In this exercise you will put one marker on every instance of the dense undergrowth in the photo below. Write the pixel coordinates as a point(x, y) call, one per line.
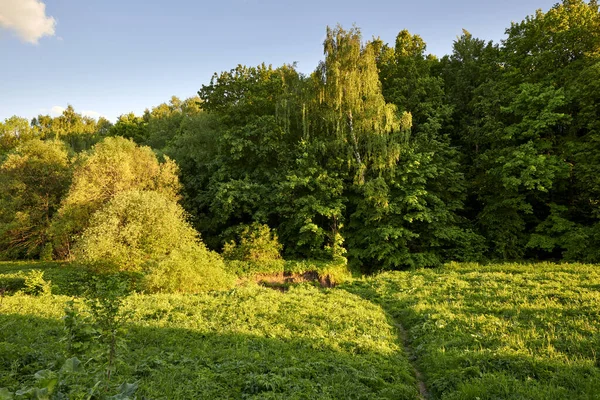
point(249, 342)
point(507, 331)
point(474, 332)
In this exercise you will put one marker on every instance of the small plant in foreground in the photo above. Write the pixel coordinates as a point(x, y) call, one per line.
point(35, 284)
point(66, 384)
point(99, 331)
point(105, 301)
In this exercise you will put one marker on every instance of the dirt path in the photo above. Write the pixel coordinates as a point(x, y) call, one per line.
point(410, 354)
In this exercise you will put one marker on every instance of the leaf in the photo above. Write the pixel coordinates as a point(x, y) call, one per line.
point(5, 394)
point(46, 379)
point(42, 394)
point(25, 392)
point(71, 365)
point(126, 390)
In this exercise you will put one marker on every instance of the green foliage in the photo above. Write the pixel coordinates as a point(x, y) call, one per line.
point(78, 330)
point(112, 166)
point(366, 128)
point(188, 270)
point(75, 130)
point(408, 216)
point(35, 284)
point(47, 253)
point(64, 279)
point(34, 178)
point(256, 250)
point(65, 384)
point(497, 331)
point(236, 154)
point(95, 335)
point(105, 300)
point(522, 116)
point(312, 203)
point(14, 130)
point(147, 232)
point(329, 273)
point(384, 157)
point(133, 228)
point(488, 331)
point(131, 127)
point(248, 342)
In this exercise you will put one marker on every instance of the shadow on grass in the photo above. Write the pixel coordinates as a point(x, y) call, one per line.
point(66, 279)
point(174, 363)
point(454, 369)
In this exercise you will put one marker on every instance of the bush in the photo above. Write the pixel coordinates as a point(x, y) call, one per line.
point(47, 252)
point(113, 166)
point(256, 251)
point(188, 271)
point(147, 232)
point(329, 273)
point(35, 284)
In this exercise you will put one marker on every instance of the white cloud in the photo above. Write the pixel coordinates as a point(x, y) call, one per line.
point(26, 18)
point(92, 114)
point(56, 111)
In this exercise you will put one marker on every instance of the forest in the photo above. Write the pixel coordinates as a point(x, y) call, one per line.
point(384, 155)
point(394, 225)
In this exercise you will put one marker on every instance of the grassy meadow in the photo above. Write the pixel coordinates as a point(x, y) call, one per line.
point(498, 332)
point(464, 331)
point(250, 342)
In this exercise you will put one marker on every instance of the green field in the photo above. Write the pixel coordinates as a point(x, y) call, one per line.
point(461, 332)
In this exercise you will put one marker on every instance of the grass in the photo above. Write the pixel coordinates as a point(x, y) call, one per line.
point(498, 332)
point(65, 279)
point(250, 342)
point(511, 331)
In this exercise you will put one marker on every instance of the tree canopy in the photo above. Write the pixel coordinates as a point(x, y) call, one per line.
point(384, 157)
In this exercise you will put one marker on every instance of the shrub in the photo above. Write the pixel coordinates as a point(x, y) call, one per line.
point(47, 251)
point(188, 271)
point(147, 232)
point(330, 273)
point(256, 251)
point(113, 166)
point(35, 284)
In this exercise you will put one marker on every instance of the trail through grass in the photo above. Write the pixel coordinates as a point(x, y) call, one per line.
point(464, 331)
point(499, 332)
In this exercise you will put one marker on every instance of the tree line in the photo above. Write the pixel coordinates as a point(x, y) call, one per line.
point(385, 156)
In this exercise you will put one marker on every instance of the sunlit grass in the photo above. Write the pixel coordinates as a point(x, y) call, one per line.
point(251, 342)
point(520, 331)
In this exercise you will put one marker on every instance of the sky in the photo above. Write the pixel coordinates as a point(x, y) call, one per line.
point(109, 57)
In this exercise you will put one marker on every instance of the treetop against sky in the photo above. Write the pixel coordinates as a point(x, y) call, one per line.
point(110, 57)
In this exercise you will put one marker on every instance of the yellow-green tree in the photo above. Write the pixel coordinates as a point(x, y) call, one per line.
point(112, 166)
point(147, 232)
point(33, 181)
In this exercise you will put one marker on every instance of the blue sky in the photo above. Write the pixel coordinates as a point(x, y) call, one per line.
point(108, 57)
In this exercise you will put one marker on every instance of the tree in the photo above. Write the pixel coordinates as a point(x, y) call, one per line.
point(407, 216)
point(33, 180)
point(13, 131)
point(353, 110)
point(112, 166)
point(164, 121)
point(146, 231)
point(130, 126)
point(246, 141)
point(522, 127)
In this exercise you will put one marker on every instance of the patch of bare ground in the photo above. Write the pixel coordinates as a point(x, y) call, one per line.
point(423, 393)
point(282, 282)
